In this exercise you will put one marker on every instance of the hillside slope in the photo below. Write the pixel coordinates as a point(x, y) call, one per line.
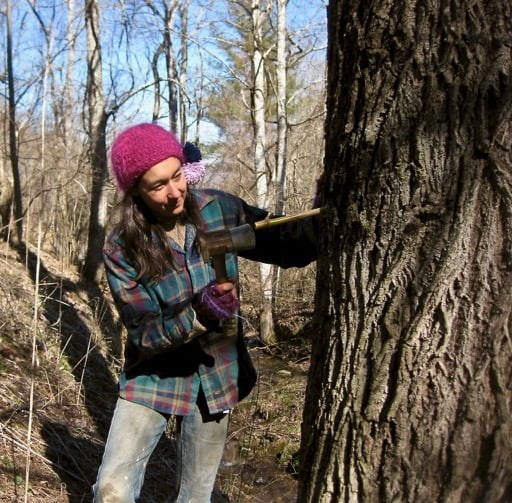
point(58, 410)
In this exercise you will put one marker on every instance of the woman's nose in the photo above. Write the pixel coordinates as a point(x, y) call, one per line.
point(173, 191)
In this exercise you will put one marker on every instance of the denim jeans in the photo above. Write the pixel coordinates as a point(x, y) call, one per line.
point(133, 435)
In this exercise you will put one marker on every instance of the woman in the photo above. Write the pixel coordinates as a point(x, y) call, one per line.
point(182, 355)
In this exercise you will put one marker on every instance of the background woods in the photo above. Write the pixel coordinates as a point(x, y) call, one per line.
point(416, 397)
point(77, 72)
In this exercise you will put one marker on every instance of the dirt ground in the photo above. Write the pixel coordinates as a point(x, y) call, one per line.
point(67, 444)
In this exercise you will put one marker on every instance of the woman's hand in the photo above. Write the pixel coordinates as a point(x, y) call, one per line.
point(215, 302)
point(225, 287)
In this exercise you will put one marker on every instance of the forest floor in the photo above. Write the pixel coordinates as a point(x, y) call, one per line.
point(59, 357)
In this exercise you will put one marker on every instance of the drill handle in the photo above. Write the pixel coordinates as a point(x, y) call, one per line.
point(219, 266)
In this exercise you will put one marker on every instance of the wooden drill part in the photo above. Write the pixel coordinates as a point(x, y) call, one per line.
point(215, 244)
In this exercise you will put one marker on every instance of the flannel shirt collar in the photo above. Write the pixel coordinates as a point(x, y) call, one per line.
point(201, 198)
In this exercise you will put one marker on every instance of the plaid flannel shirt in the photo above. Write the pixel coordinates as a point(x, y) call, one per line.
point(169, 356)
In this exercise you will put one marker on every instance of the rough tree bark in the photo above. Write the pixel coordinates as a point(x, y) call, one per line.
point(409, 395)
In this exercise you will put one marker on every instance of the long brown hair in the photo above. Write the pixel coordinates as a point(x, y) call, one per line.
point(144, 239)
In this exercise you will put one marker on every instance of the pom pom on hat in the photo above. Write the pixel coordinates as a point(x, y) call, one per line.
point(191, 152)
point(193, 168)
point(138, 148)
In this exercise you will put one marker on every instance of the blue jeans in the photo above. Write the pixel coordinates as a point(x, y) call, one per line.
point(133, 435)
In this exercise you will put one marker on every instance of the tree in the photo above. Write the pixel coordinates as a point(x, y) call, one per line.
point(96, 125)
point(67, 122)
point(13, 142)
point(6, 195)
point(260, 12)
point(183, 67)
point(167, 16)
point(282, 118)
point(409, 393)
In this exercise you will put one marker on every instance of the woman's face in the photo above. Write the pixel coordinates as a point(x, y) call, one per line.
point(163, 189)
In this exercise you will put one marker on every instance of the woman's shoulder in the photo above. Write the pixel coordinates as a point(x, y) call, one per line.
point(219, 208)
point(234, 209)
point(208, 194)
point(205, 196)
point(113, 242)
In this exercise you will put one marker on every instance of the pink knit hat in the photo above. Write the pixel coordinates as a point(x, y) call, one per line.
point(140, 147)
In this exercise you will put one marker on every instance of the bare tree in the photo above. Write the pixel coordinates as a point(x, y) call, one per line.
point(13, 142)
point(68, 85)
point(183, 63)
point(279, 175)
point(260, 11)
point(96, 126)
point(167, 15)
point(6, 196)
point(48, 72)
point(409, 394)
point(282, 108)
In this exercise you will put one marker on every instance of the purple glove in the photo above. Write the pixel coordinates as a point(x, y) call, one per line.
point(212, 304)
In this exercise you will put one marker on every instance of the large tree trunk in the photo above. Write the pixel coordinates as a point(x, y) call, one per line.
point(409, 395)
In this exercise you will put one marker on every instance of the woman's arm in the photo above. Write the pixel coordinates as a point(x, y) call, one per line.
point(151, 328)
point(293, 244)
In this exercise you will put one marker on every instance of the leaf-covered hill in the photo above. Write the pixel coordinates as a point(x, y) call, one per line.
point(57, 386)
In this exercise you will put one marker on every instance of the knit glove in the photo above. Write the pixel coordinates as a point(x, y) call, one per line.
point(212, 305)
point(193, 166)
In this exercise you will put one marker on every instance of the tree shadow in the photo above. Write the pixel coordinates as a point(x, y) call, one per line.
point(76, 460)
point(74, 456)
point(88, 365)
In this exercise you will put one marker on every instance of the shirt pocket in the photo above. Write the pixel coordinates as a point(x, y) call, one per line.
point(173, 289)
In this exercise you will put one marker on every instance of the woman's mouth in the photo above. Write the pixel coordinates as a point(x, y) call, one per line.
point(172, 207)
